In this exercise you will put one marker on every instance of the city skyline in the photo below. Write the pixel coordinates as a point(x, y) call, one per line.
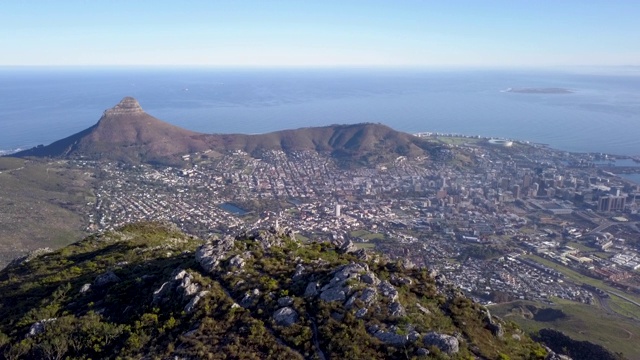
point(327, 34)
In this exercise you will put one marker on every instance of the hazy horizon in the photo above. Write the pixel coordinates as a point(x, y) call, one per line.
point(251, 33)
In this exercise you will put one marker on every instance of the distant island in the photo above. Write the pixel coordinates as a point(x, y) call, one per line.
point(539, 91)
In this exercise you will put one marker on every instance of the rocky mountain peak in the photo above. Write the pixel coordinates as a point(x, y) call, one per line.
point(127, 105)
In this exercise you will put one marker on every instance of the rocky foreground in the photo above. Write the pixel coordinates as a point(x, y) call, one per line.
point(149, 291)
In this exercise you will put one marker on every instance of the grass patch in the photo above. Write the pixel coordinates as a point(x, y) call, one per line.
point(457, 140)
point(363, 245)
point(367, 235)
point(581, 247)
point(582, 322)
point(624, 307)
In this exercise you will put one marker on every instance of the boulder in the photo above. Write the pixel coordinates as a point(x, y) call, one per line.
point(368, 295)
point(446, 343)
point(496, 329)
point(311, 290)
point(391, 338)
point(298, 273)
point(395, 339)
point(361, 313)
point(333, 294)
point(249, 298)
point(107, 278)
point(38, 327)
point(422, 352)
point(370, 278)
point(285, 301)
point(347, 247)
point(85, 288)
point(399, 280)
point(388, 290)
point(423, 309)
point(396, 309)
point(237, 262)
point(188, 287)
point(285, 316)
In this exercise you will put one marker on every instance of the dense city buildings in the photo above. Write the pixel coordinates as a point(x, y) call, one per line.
point(491, 219)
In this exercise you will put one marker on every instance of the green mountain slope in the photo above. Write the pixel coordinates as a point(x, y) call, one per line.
point(149, 291)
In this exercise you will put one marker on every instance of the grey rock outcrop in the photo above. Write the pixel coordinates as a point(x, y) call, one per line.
point(368, 295)
point(299, 271)
point(38, 327)
point(311, 290)
point(346, 246)
point(209, 255)
point(85, 288)
point(552, 355)
point(337, 288)
point(422, 352)
point(423, 309)
point(399, 280)
point(249, 298)
point(370, 278)
point(334, 294)
point(361, 313)
point(285, 301)
point(445, 343)
point(396, 309)
point(107, 278)
point(285, 316)
point(237, 262)
point(388, 290)
point(391, 336)
point(191, 306)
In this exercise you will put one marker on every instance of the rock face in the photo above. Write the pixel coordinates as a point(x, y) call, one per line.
point(210, 254)
point(391, 336)
point(126, 106)
point(337, 288)
point(446, 343)
point(191, 306)
point(285, 301)
point(107, 278)
point(85, 288)
point(38, 327)
point(285, 316)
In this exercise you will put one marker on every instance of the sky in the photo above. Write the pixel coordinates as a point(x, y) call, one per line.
point(327, 33)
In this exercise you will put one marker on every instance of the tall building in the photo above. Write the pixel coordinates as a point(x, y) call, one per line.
point(611, 203)
point(338, 210)
point(516, 191)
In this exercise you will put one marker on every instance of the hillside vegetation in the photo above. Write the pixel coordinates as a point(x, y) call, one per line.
point(148, 290)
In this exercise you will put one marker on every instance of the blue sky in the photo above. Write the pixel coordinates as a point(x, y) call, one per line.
point(479, 33)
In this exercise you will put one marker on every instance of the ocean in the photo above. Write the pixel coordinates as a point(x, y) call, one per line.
point(602, 114)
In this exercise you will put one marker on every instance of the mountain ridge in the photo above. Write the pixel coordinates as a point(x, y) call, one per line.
point(149, 290)
point(127, 133)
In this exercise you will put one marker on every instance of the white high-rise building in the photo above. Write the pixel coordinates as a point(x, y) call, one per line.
point(338, 210)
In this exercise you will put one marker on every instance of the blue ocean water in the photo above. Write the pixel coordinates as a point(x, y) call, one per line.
point(41, 105)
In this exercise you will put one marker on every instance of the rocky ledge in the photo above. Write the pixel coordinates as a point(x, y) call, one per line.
point(127, 105)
